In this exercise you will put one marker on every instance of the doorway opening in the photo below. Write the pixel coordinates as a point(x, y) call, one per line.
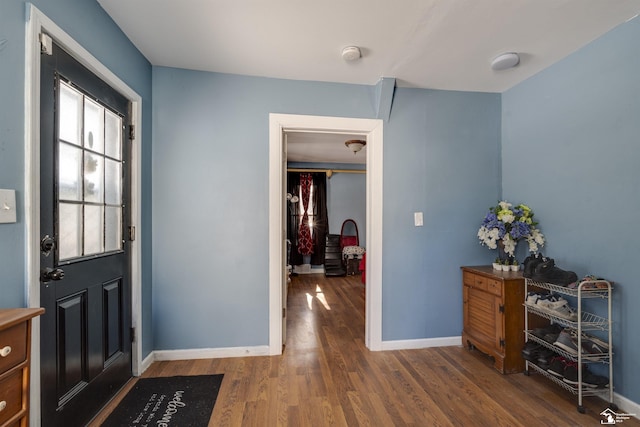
point(372, 131)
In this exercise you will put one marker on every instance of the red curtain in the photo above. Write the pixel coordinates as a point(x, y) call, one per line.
point(305, 243)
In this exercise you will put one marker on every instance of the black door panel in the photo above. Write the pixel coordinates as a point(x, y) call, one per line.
point(85, 332)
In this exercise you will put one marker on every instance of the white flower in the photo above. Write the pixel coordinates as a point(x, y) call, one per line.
point(504, 205)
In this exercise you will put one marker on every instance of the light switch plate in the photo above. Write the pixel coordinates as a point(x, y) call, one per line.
point(7, 206)
point(417, 219)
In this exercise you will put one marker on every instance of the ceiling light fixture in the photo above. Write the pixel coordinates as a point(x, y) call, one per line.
point(351, 53)
point(355, 145)
point(505, 61)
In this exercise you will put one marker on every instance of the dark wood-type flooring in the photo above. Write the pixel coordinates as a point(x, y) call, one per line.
point(326, 376)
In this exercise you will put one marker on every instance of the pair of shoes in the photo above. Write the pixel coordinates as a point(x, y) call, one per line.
point(594, 345)
point(568, 341)
point(570, 373)
point(562, 309)
point(557, 366)
point(532, 298)
point(594, 381)
point(545, 356)
point(557, 306)
point(546, 271)
point(589, 379)
point(548, 334)
point(530, 351)
point(530, 264)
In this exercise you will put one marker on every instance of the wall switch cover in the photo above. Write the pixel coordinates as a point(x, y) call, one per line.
point(417, 219)
point(7, 206)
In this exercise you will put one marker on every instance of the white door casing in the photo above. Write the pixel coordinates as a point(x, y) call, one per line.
point(372, 131)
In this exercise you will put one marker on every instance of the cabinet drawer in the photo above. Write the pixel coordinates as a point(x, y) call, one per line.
point(475, 280)
point(494, 286)
point(13, 344)
point(10, 395)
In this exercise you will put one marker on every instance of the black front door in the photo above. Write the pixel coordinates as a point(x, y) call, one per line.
point(85, 264)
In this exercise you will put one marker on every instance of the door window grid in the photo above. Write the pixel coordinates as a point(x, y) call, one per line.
point(89, 176)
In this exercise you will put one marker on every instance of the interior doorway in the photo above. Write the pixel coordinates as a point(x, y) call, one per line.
point(372, 131)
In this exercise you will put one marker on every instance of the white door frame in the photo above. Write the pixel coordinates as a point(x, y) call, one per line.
point(372, 130)
point(37, 22)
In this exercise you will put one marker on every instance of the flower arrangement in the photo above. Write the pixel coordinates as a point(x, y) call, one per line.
point(507, 224)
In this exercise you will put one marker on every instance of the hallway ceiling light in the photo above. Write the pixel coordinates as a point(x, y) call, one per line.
point(355, 145)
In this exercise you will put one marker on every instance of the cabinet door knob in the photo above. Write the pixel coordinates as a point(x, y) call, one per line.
point(3, 404)
point(5, 351)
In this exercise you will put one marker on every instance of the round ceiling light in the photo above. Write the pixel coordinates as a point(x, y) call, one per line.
point(505, 61)
point(351, 53)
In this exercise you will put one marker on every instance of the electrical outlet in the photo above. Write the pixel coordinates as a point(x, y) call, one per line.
point(7, 206)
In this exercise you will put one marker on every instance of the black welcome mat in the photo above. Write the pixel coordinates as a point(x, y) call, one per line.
point(167, 401)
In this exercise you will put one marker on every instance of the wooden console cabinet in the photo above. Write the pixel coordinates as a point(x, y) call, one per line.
point(493, 315)
point(15, 347)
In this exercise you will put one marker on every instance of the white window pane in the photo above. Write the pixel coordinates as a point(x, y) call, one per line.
point(93, 178)
point(112, 182)
point(70, 117)
point(69, 172)
point(70, 231)
point(112, 135)
point(93, 229)
point(93, 126)
point(113, 229)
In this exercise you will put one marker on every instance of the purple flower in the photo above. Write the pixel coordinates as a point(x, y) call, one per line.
point(519, 230)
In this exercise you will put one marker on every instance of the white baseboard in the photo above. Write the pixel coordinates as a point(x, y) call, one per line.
point(147, 362)
point(421, 343)
point(626, 406)
point(210, 353)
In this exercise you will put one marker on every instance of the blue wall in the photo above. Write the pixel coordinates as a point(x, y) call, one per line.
point(89, 25)
point(347, 199)
point(571, 151)
point(210, 163)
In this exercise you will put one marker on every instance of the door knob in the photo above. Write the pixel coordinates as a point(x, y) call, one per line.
point(49, 274)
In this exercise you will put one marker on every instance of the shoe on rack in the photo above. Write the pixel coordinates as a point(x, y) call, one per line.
point(568, 341)
point(531, 351)
point(530, 264)
point(557, 366)
point(562, 309)
point(551, 337)
point(546, 300)
point(544, 358)
point(570, 374)
point(547, 271)
point(551, 329)
point(593, 345)
point(594, 381)
point(532, 298)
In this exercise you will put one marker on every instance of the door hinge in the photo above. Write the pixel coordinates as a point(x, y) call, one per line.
point(46, 44)
point(501, 342)
point(501, 308)
point(132, 132)
point(132, 233)
point(284, 313)
point(133, 334)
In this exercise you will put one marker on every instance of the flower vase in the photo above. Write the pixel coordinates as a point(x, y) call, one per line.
point(501, 253)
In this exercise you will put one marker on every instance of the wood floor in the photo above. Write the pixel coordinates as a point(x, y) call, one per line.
point(326, 376)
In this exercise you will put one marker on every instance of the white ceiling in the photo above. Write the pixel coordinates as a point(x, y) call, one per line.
point(435, 44)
